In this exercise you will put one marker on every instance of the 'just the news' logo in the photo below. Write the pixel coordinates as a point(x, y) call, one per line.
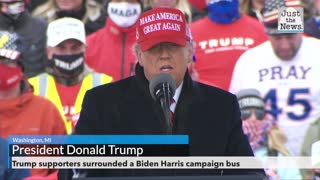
point(290, 20)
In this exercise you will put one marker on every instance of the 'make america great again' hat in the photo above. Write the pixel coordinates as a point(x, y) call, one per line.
point(162, 25)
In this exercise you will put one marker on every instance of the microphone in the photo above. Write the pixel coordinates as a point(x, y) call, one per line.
point(162, 88)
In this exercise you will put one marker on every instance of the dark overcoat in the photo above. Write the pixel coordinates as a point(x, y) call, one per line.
point(210, 116)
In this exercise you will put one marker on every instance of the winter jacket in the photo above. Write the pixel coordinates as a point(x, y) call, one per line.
point(109, 51)
point(33, 31)
point(210, 116)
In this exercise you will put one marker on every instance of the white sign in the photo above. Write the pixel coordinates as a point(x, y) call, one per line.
point(290, 20)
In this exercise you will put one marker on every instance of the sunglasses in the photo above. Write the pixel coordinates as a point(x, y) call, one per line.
point(246, 113)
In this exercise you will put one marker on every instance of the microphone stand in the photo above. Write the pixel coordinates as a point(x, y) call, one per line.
point(165, 105)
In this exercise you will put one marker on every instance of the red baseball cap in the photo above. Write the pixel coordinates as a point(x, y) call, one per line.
point(162, 25)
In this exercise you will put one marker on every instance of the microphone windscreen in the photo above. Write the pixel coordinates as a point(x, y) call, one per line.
point(160, 79)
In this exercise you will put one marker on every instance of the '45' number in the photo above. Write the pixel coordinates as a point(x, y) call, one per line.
point(292, 100)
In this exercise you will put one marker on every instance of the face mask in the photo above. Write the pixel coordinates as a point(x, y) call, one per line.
point(9, 77)
point(223, 11)
point(13, 9)
point(124, 14)
point(69, 64)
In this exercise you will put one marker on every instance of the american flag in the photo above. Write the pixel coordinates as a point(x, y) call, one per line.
point(256, 130)
point(271, 8)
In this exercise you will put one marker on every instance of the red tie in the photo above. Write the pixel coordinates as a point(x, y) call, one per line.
point(171, 112)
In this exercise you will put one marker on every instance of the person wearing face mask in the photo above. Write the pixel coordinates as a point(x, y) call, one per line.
point(90, 12)
point(110, 49)
point(68, 77)
point(22, 112)
point(220, 38)
point(264, 135)
point(15, 17)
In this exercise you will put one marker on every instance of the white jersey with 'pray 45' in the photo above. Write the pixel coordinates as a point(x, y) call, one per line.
point(291, 89)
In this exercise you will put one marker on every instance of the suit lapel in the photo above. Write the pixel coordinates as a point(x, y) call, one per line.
point(144, 115)
point(190, 97)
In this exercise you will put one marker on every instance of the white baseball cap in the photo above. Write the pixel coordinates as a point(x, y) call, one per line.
point(65, 28)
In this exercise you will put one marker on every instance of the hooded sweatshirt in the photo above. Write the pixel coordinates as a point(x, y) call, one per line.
point(28, 114)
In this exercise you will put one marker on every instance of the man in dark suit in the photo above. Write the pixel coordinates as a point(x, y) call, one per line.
point(210, 116)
